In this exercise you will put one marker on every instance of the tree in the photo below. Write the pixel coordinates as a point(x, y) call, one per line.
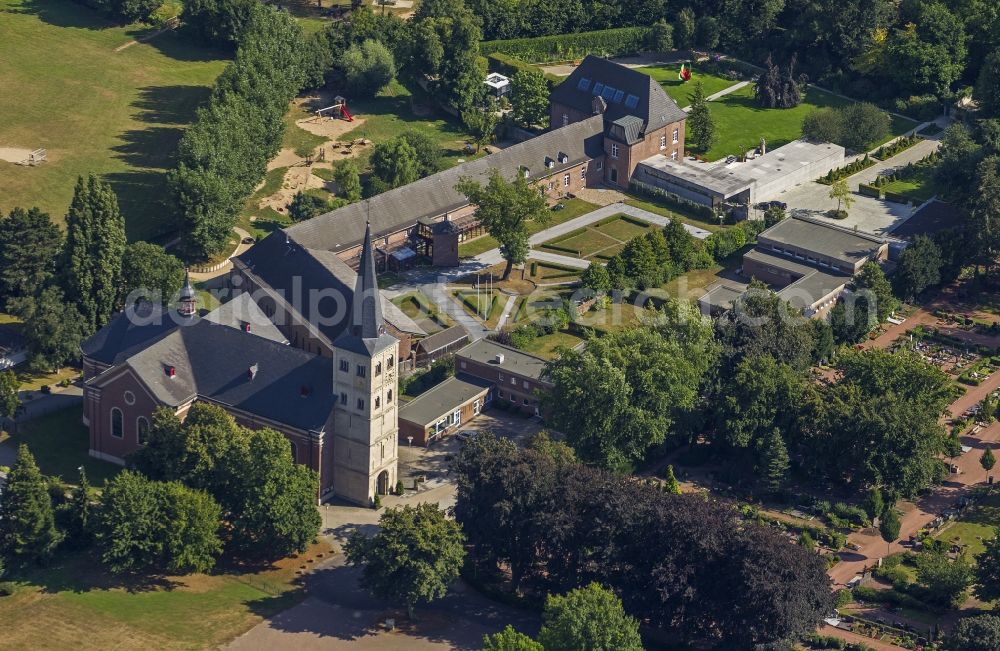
point(413, 558)
point(504, 209)
point(987, 92)
point(872, 279)
point(684, 28)
point(554, 449)
point(987, 461)
point(481, 123)
point(774, 462)
point(368, 68)
point(590, 618)
point(27, 521)
point(529, 96)
point(9, 387)
point(53, 329)
point(777, 88)
point(918, 268)
point(864, 125)
point(29, 247)
point(395, 163)
point(700, 123)
point(510, 640)
point(95, 244)
point(148, 267)
point(429, 158)
point(217, 22)
point(707, 32)
point(622, 393)
point(348, 180)
point(596, 278)
point(874, 504)
point(889, 525)
point(145, 525)
point(927, 54)
point(761, 323)
point(980, 633)
point(670, 483)
point(824, 125)
point(661, 37)
point(984, 220)
point(268, 499)
point(757, 399)
point(79, 527)
point(306, 206)
point(842, 193)
point(947, 581)
point(987, 574)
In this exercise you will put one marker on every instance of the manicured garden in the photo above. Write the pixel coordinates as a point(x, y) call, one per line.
point(601, 240)
point(117, 114)
point(572, 208)
point(420, 308)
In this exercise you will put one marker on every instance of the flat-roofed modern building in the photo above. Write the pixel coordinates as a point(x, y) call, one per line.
point(807, 262)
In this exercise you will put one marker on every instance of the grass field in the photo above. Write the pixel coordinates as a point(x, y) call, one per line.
point(919, 188)
point(117, 114)
point(573, 209)
point(74, 604)
point(741, 123)
point(978, 523)
point(679, 90)
point(59, 442)
point(602, 240)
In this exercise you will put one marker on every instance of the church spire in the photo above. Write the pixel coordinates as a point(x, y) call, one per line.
point(366, 312)
point(187, 303)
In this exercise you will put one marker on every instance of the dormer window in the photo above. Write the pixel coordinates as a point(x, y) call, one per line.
point(563, 158)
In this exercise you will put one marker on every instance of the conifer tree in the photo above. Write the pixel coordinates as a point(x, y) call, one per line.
point(700, 123)
point(27, 521)
point(95, 244)
point(774, 461)
point(79, 525)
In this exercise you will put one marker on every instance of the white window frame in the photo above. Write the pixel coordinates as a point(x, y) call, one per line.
point(676, 136)
point(663, 142)
point(614, 150)
point(673, 155)
point(566, 179)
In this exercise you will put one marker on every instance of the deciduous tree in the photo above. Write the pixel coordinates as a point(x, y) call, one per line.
point(53, 329)
point(510, 640)
point(987, 573)
point(148, 267)
point(368, 68)
point(918, 268)
point(530, 97)
point(947, 581)
point(504, 209)
point(348, 181)
point(413, 558)
point(980, 633)
point(9, 387)
point(590, 618)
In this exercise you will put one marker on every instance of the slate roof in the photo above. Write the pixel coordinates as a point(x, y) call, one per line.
point(243, 311)
point(296, 271)
point(443, 339)
point(435, 195)
point(652, 105)
point(628, 129)
point(132, 328)
point(366, 330)
point(212, 362)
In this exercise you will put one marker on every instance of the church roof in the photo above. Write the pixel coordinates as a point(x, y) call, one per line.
point(366, 328)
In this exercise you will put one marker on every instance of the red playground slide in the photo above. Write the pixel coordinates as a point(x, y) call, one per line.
point(344, 113)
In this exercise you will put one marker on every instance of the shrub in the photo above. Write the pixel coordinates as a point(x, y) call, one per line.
point(7, 588)
point(672, 200)
point(864, 125)
point(919, 107)
point(844, 597)
point(399, 487)
point(817, 641)
point(607, 42)
point(368, 67)
point(869, 190)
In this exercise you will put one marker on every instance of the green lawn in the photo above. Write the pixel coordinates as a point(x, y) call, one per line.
point(573, 208)
point(586, 243)
point(548, 272)
point(977, 523)
point(60, 442)
point(741, 123)
point(116, 114)
point(73, 603)
point(391, 113)
point(623, 228)
point(547, 345)
point(920, 187)
point(679, 90)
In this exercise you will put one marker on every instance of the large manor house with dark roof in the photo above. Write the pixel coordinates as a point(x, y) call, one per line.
point(308, 345)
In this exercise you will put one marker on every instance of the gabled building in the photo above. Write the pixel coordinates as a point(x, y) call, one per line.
point(337, 410)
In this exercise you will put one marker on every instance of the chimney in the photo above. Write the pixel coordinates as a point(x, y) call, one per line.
point(171, 371)
point(252, 372)
point(599, 105)
point(499, 358)
point(246, 326)
point(525, 171)
point(304, 391)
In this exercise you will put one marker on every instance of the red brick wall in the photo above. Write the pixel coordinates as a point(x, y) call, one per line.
point(629, 157)
point(111, 396)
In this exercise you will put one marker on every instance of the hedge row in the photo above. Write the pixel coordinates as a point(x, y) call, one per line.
point(869, 191)
point(562, 249)
point(890, 150)
point(896, 197)
point(561, 47)
point(848, 170)
point(510, 66)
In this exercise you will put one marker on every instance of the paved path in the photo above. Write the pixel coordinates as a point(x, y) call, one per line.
point(506, 311)
point(224, 269)
point(607, 211)
point(555, 258)
point(722, 93)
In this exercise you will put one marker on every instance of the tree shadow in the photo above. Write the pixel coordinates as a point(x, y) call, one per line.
point(170, 104)
point(144, 201)
point(149, 147)
point(80, 572)
point(63, 13)
point(181, 45)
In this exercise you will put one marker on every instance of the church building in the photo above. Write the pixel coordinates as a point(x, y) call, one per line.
point(337, 410)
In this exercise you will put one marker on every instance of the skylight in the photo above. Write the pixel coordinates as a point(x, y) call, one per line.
point(631, 101)
point(617, 99)
point(608, 92)
point(584, 84)
point(598, 87)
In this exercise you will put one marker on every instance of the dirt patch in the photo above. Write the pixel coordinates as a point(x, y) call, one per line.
point(296, 179)
point(600, 196)
point(14, 154)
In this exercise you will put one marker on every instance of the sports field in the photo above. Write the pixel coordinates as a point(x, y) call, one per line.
point(65, 88)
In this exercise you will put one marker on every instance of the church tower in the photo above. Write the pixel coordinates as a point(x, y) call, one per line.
point(187, 303)
point(365, 383)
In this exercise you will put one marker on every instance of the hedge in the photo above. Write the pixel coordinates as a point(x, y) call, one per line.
point(869, 191)
point(896, 197)
point(510, 66)
point(561, 47)
point(562, 249)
